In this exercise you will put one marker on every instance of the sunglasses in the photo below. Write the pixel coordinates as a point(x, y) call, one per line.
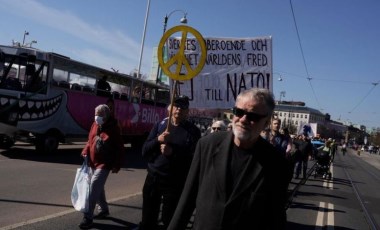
point(216, 128)
point(251, 116)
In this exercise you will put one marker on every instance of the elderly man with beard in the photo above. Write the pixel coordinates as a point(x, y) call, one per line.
point(235, 179)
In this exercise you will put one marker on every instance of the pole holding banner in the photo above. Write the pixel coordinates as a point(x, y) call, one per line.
point(178, 67)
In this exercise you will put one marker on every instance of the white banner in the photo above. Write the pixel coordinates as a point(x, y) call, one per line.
point(308, 129)
point(232, 65)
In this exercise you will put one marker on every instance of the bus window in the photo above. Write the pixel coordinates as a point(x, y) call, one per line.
point(146, 95)
point(103, 87)
point(124, 89)
point(11, 80)
point(26, 76)
point(60, 76)
point(136, 94)
point(162, 96)
point(86, 82)
point(36, 78)
point(74, 79)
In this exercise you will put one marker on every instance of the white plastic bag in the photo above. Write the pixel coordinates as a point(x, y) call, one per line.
point(81, 188)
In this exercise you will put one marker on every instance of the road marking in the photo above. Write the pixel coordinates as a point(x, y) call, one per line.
point(330, 217)
point(328, 183)
point(33, 221)
point(321, 217)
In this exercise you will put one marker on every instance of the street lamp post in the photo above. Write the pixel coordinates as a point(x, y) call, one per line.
point(143, 38)
point(282, 94)
point(167, 16)
point(30, 44)
point(23, 40)
point(183, 19)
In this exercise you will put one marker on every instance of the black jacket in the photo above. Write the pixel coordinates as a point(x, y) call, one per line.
point(258, 200)
point(183, 139)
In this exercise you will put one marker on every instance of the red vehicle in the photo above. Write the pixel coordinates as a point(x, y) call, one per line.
point(48, 98)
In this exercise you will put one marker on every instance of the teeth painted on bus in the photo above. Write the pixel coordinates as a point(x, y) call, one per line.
point(47, 99)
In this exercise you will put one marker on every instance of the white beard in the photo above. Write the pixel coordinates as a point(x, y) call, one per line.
point(240, 134)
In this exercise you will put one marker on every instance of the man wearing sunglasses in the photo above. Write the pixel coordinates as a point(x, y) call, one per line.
point(235, 180)
point(217, 126)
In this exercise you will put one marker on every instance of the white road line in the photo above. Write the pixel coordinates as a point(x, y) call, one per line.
point(320, 216)
point(32, 221)
point(330, 221)
point(329, 183)
point(330, 217)
point(321, 222)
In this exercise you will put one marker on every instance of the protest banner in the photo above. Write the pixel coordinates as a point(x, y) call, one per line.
point(232, 65)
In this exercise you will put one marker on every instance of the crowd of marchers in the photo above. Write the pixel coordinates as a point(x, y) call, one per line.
point(227, 178)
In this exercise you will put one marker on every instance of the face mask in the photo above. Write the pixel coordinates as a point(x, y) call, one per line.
point(99, 120)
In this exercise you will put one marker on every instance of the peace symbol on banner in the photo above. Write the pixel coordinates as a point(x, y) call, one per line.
point(179, 59)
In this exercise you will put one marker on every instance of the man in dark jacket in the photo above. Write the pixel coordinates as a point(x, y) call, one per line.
point(169, 152)
point(304, 151)
point(234, 180)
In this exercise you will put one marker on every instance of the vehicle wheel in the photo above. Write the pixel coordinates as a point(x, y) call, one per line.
point(47, 144)
point(6, 142)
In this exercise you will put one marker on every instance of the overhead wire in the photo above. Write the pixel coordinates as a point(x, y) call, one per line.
point(308, 75)
point(303, 56)
point(282, 74)
point(365, 96)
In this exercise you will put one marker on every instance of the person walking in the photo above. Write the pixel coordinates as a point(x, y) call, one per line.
point(334, 148)
point(235, 179)
point(105, 149)
point(169, 154)
point(277, 139)
point(344, 148)
point(282, 143)
point(305, 150)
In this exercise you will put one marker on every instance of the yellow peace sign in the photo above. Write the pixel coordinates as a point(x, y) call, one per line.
point(179, 58)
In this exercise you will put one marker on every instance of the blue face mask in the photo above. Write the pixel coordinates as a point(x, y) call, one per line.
point(99, 120)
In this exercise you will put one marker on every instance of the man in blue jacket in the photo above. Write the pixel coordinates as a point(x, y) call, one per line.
point(169, 153)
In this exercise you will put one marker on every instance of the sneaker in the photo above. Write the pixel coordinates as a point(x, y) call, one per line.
point(86, 223)
point(102, 215)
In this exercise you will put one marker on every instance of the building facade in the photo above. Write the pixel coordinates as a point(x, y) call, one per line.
point(297, 114)
point(294, 115)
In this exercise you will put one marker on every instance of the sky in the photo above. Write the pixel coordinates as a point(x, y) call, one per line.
point(326, 52)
